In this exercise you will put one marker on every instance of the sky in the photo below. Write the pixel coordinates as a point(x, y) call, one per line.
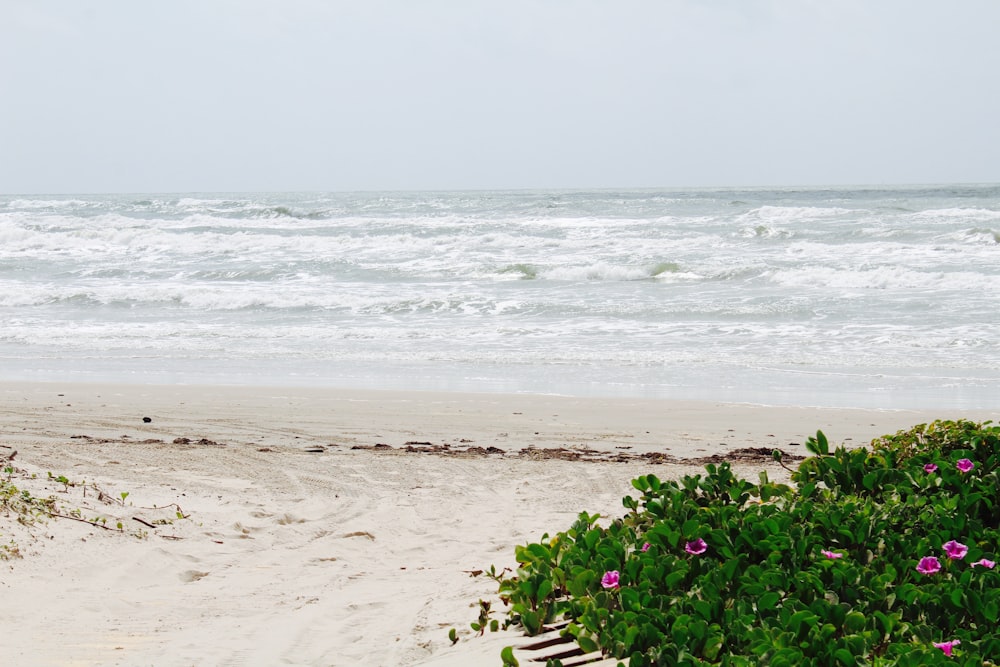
point(322, 95)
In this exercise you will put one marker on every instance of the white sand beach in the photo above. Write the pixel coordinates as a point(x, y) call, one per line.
point(313, 536)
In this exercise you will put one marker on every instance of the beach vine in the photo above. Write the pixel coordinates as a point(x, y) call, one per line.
point(881, 555)
point(21, 501)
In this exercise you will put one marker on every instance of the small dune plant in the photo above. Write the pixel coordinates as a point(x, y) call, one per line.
point(884, 555)
point(22, 505)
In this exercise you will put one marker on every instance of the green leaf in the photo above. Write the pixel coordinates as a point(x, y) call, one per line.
point(956, 597)
point(532, 622)
point(818, 446)
point(991, 610)
point(844, 657)
point(868, 481)
point(854, 622)
point(674, 578)
point(768, 601)
point(586, 644)
point(885, 622)
point(729, 568)
point(630, 599)
point(538, 551)
point(713, 645)
point(578, 585)
point(802, 618)
point(544, 589)
point(703, 608)
point(507, 656)
point(630, 636)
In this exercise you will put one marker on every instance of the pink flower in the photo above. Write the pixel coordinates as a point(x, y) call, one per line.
point(928, 565)
point(965, 465)
point(947, 646)
point(930, 467)
point(645, 546)
point(955, 550)
point(988, 564)
point(696, 547)
point(610, 579)
point(831, 554)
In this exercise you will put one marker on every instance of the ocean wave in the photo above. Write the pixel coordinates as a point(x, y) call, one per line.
point(519, 270)
point(885, 278)
point(603, 271)
point(82, 299)
point(980, 236)
point(267, 212)
point(795, 213)
point(194, 202)
point(188, 239)
point(462, 305)
point(285, 300)
point(40, 204)
point(135, 297)
point(950, 214)
point(765, 231)
point(15, 237)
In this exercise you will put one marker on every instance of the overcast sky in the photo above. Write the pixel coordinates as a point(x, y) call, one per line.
point(250, 95)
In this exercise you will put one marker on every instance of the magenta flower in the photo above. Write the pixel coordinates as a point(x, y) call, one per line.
point(947, 646)
point(645, 546)
point(696, 547)
point(988, 564)
point(610, 579)
point(955, 550)
point(930, 467)
point(928, 565)
point(965, 465)
point(831, 554)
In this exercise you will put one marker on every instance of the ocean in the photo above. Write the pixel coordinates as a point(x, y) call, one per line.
point(880, 297)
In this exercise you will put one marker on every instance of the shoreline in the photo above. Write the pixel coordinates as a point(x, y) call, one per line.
point(307, 544)
point(857, 388)
point(689, 428)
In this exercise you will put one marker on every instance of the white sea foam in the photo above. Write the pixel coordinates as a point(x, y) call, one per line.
point(959, 213)
point(978, 235)
point(600, 271)
point(796, 213)
point(631, 286)
point(886, 278)
point(32, 204)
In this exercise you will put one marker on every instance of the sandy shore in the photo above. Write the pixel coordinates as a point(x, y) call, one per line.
point(315, 534)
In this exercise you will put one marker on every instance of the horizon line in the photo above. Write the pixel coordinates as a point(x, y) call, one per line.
point(665, 188)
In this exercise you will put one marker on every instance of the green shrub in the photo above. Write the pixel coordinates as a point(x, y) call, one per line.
point(938, 438)
point(716, 570)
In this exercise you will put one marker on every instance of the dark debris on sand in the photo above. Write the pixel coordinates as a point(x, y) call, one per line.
point(743, 455)
point(466, 450)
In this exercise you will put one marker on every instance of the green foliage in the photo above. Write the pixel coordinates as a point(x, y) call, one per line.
point(20, 501)
point(823, 572)
point(22, 504)
point(24, 507)
point(938, 438)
